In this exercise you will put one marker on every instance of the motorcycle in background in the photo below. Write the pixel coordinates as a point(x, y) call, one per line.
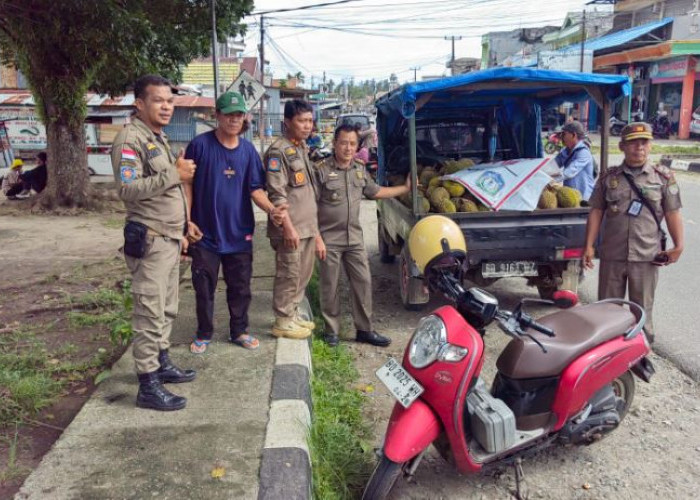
point(661, 125)
point(553, 143)
point(566, 378)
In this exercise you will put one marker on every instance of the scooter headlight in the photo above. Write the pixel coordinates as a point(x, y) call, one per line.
point(429, 336)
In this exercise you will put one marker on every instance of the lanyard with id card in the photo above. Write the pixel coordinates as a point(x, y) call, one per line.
point(635, 208)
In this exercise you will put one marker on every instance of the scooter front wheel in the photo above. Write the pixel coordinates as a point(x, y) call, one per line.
point(550, 148)
point(383, 479)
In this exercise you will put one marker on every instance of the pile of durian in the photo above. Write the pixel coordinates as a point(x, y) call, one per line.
point(445, 197)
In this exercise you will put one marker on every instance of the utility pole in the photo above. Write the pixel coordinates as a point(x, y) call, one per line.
point(452, 61)
point(583, 37)
point(261, 119)
point(214, 49)
point(415, 74)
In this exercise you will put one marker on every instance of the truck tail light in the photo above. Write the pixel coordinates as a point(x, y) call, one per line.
point(569, 253)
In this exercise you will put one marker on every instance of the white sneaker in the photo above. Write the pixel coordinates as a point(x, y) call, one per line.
point(24, 194)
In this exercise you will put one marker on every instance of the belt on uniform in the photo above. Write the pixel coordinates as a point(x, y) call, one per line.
point(156, 234)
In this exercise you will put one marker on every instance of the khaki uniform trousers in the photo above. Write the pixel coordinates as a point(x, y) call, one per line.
point(356, 264)
point(293, 269)
point(154, 286)
point(639, 279)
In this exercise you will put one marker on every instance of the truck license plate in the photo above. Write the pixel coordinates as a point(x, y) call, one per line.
point(401, 385)
point(508, 268)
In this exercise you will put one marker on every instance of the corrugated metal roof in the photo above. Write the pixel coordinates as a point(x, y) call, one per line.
point(24, 98)
point(619, 37)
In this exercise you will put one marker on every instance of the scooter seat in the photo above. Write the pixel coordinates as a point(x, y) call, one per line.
point(576, 330)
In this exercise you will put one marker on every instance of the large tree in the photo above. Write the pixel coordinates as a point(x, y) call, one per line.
point(67, 47)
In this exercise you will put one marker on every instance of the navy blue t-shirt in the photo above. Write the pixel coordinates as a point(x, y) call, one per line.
point(221, 203)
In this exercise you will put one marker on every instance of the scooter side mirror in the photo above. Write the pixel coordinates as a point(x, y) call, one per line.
point(565, 299)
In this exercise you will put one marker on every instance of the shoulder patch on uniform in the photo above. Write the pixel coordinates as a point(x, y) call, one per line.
point(273, 164)
point(127, 174)
point(128, 154)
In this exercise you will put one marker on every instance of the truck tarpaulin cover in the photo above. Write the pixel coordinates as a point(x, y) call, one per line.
point(519, 94)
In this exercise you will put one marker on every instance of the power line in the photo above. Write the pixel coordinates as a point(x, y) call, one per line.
point(305, 7)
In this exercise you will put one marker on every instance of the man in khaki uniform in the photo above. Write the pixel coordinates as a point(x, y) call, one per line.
point(630, 248)
point(150, 184)
point(290, 181)
point(342, 182)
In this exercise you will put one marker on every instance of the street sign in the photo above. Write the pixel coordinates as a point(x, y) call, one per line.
point(251, 89)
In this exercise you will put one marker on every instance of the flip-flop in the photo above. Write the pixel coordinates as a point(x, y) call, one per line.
point(199, 346)
point(246, 341)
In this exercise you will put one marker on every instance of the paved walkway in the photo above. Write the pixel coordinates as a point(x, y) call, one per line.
point(113, 450)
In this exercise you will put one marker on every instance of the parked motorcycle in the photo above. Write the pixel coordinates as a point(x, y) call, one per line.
point(661, 125)
point(616, 125)
point(563, 379)
point(553, 143)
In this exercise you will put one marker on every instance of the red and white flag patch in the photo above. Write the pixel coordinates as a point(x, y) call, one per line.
point(128, 154)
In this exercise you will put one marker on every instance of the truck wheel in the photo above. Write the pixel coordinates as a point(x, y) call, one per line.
point(384, 255)
point(383, 480)
point(405, 286)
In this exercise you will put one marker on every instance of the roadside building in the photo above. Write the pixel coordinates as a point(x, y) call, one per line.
point(497, 46)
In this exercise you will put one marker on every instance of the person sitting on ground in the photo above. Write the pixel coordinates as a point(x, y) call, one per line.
point(36, 178)
point(576, 160)
point(12, 185)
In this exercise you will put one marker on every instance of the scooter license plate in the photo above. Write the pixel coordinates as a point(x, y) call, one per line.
point(505, 269)
point(401, 385)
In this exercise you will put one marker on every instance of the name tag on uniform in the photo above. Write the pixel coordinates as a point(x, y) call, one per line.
point(635, 208)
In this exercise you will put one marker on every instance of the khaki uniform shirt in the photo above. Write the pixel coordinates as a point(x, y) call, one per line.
point(340, 195)
point(149, 183)
point(289, 179)
point(624, 236)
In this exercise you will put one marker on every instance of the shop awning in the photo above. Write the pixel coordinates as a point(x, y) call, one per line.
point(619, 37)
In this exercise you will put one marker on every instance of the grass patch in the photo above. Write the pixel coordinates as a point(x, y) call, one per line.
point(113, 222)
point(340, 442)
point(109, 307)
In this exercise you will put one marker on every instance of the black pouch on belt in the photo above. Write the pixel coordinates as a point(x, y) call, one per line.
point(135, 239)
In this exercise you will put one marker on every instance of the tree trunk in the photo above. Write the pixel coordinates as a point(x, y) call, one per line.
point(68, 178)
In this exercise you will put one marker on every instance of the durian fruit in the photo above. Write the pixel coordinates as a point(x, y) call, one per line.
point(466, 205)
point(454, 188)
point(482, 207)
point(429, 191)
point(439, 194)
point(446, 206)
point(568, 197)
point(548, 199)
point(426, 174)
point(434, 182)
point(455, 166)
point(423, 205)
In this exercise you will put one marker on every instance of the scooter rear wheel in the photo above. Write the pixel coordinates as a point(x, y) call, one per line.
point(383, 479)
point(623, 387)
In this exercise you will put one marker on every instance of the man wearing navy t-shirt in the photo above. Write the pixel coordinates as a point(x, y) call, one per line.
point(229, 175)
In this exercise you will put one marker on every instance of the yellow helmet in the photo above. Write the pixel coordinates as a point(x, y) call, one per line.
point(17, 163)
point(435, 236)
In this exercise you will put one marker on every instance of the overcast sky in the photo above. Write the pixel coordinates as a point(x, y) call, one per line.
point(368, 39)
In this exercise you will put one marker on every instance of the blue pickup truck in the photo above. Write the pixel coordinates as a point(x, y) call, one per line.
point(500, 111)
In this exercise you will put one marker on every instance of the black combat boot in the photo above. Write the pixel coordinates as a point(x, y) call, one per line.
point(331, 339)
point(153, 395)
point(372, 338)
point(171, 374)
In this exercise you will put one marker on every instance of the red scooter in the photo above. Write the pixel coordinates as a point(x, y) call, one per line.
point(566, 378)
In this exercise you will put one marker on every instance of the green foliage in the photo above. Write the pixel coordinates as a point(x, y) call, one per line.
point(339, 441)
point(107, 307)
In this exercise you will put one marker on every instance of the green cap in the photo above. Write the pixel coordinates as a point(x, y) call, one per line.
point(231, 102)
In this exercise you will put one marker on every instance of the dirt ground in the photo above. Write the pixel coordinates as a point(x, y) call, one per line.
point(653, 454)
point(44, 261)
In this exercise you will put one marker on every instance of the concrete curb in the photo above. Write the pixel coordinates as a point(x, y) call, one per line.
point(285, 467)
point(683, 164)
